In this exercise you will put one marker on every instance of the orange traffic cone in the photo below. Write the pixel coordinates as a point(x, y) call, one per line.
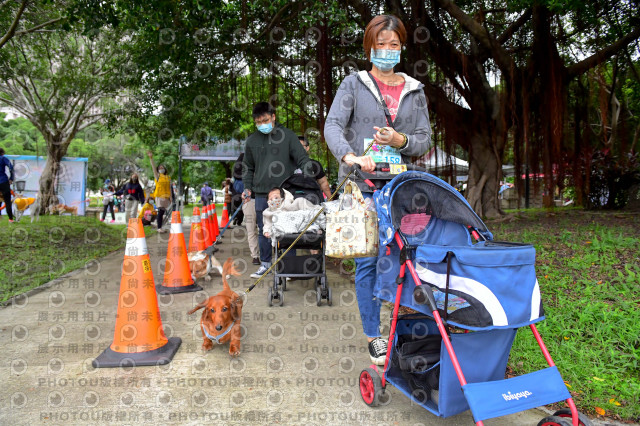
point(177, 275)
point(216, 230)
point(138, 338)
point(225, 215)
point(210, 211)
point(196, 237)
point(204, 221)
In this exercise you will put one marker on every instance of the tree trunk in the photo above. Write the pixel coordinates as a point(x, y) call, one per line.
point(56, 149)
point(483, 183)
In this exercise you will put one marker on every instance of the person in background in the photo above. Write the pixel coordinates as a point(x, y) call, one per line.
point(271, 154)
point(206, 194)
point(133, 194)
point(5, 183)
point(148, 212)
point(108, 193)
point(390, 110)
point(316, 170)
point(163, 193)
point(226, 188)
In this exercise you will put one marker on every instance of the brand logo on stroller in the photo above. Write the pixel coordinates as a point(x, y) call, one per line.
point(510, 396)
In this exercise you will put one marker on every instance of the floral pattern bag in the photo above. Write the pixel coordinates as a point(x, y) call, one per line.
point(352, 231)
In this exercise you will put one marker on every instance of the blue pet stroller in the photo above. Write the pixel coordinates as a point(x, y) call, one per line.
point(470, 295)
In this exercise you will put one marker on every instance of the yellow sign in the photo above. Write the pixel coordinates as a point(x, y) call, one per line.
point(146, 265)
point(396, 169)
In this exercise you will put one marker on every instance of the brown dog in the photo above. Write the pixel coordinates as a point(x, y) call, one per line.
point(220, 321)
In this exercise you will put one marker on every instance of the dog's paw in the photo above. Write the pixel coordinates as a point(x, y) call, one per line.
point(207, 347)
point(234, 352)
point(207, 278)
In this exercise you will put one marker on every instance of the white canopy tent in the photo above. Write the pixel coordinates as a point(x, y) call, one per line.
point(437, 161)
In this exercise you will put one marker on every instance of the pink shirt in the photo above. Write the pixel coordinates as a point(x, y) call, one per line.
point(391, 95)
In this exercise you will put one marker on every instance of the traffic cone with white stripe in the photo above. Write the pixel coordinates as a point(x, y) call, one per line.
point(216, 230)
point(138, 338)
point(206, 232)
point(177, 275)
point(196, 236)
point(210, 224)
point(225, 215)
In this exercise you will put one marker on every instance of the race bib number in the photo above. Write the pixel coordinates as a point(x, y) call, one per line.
point(382, 153)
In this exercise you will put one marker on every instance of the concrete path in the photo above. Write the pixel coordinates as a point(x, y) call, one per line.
point(299, 365)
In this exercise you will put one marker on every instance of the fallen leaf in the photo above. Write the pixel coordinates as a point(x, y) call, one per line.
point(599, 282)
point(588, 242)
point(600, 411)
point(567, 385)
point(598, 379)
point(566, 338)
point(614, 402)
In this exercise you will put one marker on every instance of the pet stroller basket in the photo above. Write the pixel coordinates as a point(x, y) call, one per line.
point(486, 285)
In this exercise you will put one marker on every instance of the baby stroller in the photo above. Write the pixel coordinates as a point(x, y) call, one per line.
point(470, 295)
point(300, 266)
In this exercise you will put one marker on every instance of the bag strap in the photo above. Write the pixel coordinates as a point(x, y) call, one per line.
point(384, 104)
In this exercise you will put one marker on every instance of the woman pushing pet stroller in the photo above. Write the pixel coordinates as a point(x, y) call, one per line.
point(389, 109)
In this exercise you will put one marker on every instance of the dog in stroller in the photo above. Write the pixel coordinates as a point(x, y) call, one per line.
point(299, 198)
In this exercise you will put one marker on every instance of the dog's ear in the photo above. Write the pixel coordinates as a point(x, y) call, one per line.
point(236, 308)
point(198, 306)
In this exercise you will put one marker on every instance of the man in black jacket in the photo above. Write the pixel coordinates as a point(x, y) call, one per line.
point(271, 154)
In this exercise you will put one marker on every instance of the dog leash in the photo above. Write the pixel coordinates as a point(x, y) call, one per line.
point(292, 245)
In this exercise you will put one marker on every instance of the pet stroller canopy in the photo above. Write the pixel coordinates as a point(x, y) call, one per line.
point(412, 193)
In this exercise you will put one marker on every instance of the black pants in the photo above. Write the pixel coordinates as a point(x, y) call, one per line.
point(110, 207)
point(5, 189)
point(161, 211)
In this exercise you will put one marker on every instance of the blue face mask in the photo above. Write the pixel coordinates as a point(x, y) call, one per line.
point(385, 59)
point(265, 128)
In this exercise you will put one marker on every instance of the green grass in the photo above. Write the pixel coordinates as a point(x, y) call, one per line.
point(38, 252)
point(588, 269)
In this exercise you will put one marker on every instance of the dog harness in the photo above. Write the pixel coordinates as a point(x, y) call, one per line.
point(217, 338)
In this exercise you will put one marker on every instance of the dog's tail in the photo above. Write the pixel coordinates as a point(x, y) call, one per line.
point(228, 269)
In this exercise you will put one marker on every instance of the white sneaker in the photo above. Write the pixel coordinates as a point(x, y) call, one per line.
point(260, 272)
point(378, 350)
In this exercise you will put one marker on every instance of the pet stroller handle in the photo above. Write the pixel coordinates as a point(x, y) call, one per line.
point(383, 173)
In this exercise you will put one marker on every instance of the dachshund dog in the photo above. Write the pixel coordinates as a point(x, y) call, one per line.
point(220, 321)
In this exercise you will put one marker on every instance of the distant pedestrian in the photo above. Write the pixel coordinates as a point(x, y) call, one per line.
point(206, 194)
point(226, 186)
point(5, 183)
point(108, 193)
point(163, 192)
point(133, 195)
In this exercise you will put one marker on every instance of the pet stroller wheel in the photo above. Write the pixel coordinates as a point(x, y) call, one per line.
point(281, 297)
point(270, 297)
point(554, 421)
point(284, 284)
point(566, 413)
point(318, 296)
point(370, 387)
point(329, 300)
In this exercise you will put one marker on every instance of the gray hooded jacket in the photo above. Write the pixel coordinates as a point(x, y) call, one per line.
point(357, 108)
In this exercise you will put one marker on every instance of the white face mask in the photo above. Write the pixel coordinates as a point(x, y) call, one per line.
point(161, 171)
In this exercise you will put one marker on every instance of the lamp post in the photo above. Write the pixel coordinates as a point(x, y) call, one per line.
point(180, 195)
